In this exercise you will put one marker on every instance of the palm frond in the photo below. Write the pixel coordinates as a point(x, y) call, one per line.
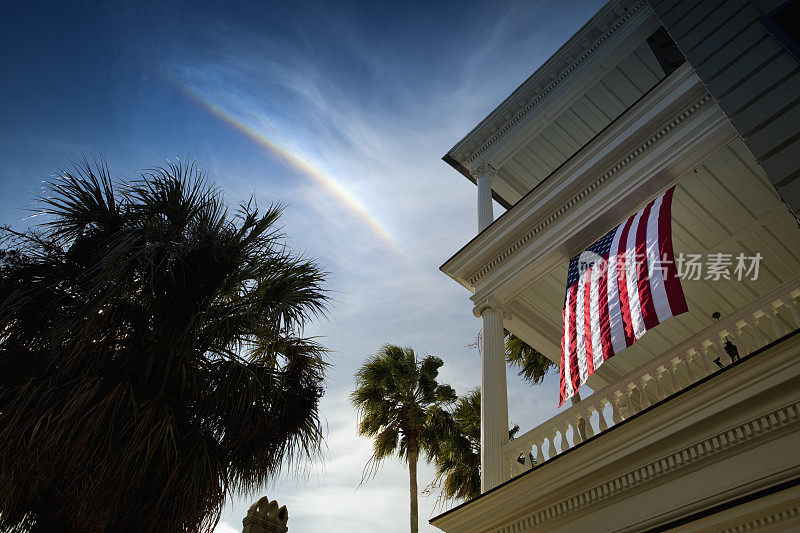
point(152, 359)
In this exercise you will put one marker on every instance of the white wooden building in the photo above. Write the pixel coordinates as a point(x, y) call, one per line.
point(703, 95)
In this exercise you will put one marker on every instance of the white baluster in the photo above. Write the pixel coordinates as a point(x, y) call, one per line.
point(549, 450)
point(602, 425)
point(788, 301)
point(777, 326)
point(673, 375)
point(644, 401)
point(587, 423)
point(539, 457)
point(687, 361)
point(576, 430)
point(741, 341)
point(660, 394)
point(630, 409)
point(757, 334)
point(705, 359)
point(616, 414)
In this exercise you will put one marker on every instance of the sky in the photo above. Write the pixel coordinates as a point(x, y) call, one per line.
point(339, 110)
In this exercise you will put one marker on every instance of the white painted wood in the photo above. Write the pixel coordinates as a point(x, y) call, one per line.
point(485, 175)
point(728, 437)
point(679, 359)
point(494, 403)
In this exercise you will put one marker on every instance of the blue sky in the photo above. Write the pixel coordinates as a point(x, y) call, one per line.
point(341, 110)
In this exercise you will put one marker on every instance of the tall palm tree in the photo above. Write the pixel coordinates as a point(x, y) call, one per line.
point(401, 405)
point(151, 354)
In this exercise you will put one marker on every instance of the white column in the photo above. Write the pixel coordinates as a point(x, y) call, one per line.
point(483, 175)
point(494, 402)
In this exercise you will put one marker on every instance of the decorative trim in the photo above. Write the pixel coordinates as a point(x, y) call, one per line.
point(578, 198)
point(484, 169)
point(491, 303)
point(710, 446)
point(769, 520)
point(557, 79)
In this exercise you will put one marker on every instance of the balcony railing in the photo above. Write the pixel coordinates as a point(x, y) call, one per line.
point(752, 326)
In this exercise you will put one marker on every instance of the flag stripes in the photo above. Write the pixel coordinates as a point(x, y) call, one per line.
point(620, 287)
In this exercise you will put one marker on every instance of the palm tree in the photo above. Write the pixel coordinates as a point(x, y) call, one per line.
point(458, 461)
point(151, 354)
point(532, 364)
point(400, 404)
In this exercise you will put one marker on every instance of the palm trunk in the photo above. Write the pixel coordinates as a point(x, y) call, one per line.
point(412, 475)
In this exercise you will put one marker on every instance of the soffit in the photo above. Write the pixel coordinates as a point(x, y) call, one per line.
point(727, 206)
point(586, 116)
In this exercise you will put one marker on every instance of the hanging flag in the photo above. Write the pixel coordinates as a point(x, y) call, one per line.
point(617, 289)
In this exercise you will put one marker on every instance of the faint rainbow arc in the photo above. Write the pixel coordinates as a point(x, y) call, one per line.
point(298, 163)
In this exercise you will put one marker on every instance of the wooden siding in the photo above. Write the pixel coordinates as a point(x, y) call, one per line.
point(754, 79)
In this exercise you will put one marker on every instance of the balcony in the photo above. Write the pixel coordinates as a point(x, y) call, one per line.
point(672, 431)
point(718, 454)
point(675, 135)
point(697, 359)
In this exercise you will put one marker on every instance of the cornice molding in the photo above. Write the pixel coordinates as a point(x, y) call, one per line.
point(713, 445)
point(771, 519)
point(531, 90)
point(580, 197)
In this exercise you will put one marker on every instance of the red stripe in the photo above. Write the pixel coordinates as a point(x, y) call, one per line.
point(672, 284)
point(624, 305)
point(605, 319)
point(587, 322)
point(643, 274)
point(562, 382)
point(573, 340)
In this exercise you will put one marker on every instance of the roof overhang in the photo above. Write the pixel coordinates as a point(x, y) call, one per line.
point(638, 155)
point(567, 69)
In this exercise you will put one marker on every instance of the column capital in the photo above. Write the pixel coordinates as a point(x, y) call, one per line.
point(484, 168)
point(491, 303)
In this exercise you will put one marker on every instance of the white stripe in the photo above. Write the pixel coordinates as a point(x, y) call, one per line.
point(580, 329)
point(594, 313)
point(655, 272)
point(631, 279)
point(568, 392)
point(614, 311)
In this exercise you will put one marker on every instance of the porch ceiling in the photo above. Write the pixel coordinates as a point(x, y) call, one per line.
point(727, 205)
point(526, 165)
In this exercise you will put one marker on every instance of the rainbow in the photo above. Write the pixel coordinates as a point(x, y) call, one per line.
point(295, 160)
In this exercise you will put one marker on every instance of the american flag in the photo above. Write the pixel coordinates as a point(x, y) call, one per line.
point(617, 289)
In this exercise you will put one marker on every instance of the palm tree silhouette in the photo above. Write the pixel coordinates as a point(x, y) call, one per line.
point(401, 406)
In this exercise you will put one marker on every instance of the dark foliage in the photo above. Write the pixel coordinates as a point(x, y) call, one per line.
point(400, 403)
point(151, 355)
point(532, 365)
point(458, 461)
point(402, 407)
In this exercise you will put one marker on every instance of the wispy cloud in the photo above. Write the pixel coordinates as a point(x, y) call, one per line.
point(376, 127)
